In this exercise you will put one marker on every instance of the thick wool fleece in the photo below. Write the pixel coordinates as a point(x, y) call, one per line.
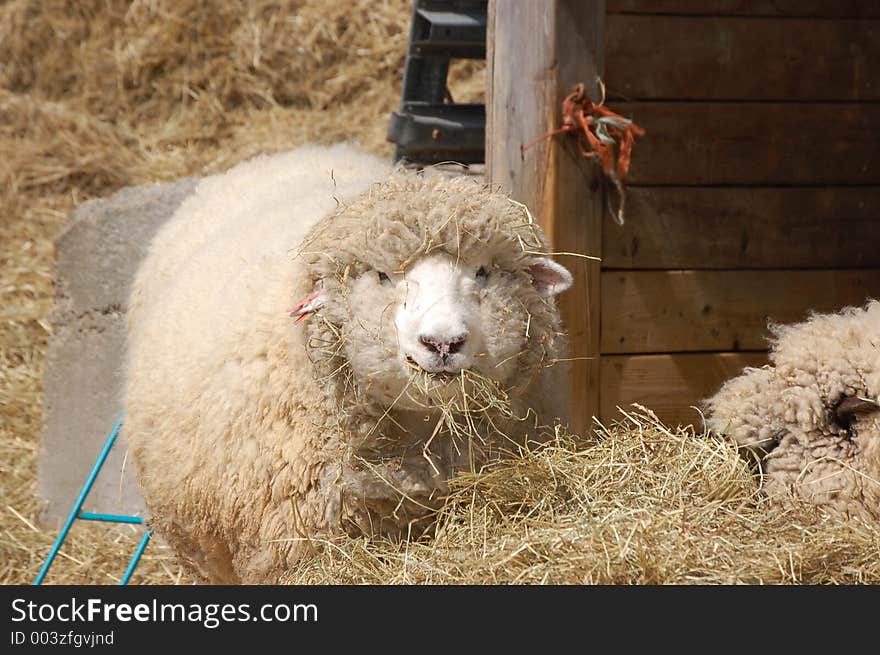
point(787, 410)
point(252, 435)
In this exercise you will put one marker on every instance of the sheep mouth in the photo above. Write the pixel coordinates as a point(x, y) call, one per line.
point(442, 376)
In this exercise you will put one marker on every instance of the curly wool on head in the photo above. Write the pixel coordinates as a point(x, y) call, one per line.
point(427, 340)
point(812, 413)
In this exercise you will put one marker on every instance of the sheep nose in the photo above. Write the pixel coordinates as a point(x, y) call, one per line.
point(443, 346)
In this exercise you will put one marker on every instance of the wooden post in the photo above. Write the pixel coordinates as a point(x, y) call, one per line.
point(537, 52)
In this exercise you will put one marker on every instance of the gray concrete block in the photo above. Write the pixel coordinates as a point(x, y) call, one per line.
point(98, 253)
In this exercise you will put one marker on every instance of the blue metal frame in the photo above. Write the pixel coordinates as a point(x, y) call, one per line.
point(77, 513)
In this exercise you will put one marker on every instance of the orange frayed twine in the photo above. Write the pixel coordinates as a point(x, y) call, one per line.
point(601, 134)
point(309, 305)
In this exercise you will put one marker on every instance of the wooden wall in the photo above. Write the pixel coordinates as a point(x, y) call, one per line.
point(530, 70)
point(754, 196)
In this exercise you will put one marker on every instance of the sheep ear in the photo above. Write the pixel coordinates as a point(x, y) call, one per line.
point(308, 305)
point(549, 277)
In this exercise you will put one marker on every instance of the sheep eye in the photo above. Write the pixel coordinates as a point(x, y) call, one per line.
point(482, 273)
point(383, 278)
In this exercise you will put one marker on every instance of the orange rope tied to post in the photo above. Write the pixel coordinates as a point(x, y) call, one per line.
point(601, 134)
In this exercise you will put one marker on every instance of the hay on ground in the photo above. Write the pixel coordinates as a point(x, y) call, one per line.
point(644, 504)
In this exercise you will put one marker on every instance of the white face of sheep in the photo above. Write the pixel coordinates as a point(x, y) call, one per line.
point(440, 317)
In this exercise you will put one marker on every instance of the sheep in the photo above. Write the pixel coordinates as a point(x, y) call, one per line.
point(812, 413)
point(423, 340)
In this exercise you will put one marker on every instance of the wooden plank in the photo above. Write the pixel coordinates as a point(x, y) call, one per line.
point(781, 8)
point(668, 384)
point(711, 58)
point(761, 227)
point(681, 311)
point(695, 143)
point(536, 53)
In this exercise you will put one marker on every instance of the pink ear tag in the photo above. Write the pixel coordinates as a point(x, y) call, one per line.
point(309, 305)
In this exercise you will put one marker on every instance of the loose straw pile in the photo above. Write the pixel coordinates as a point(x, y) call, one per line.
point(643, 504)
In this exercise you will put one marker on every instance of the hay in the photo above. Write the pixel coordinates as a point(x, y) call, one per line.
point(97, 95)
point(642, 505)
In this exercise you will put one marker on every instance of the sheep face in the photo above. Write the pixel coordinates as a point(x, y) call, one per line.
point(430, 288)
point(441, 316)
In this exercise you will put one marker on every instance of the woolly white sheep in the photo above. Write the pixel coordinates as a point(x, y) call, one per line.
point(424, 342)
point(812, 412)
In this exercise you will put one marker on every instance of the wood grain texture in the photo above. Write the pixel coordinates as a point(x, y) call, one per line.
point(729, 58)
point(668, 384)
point(718, 227)
point(537, 51)
point(780, 8)
point(695, 143)
point(682, 311)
